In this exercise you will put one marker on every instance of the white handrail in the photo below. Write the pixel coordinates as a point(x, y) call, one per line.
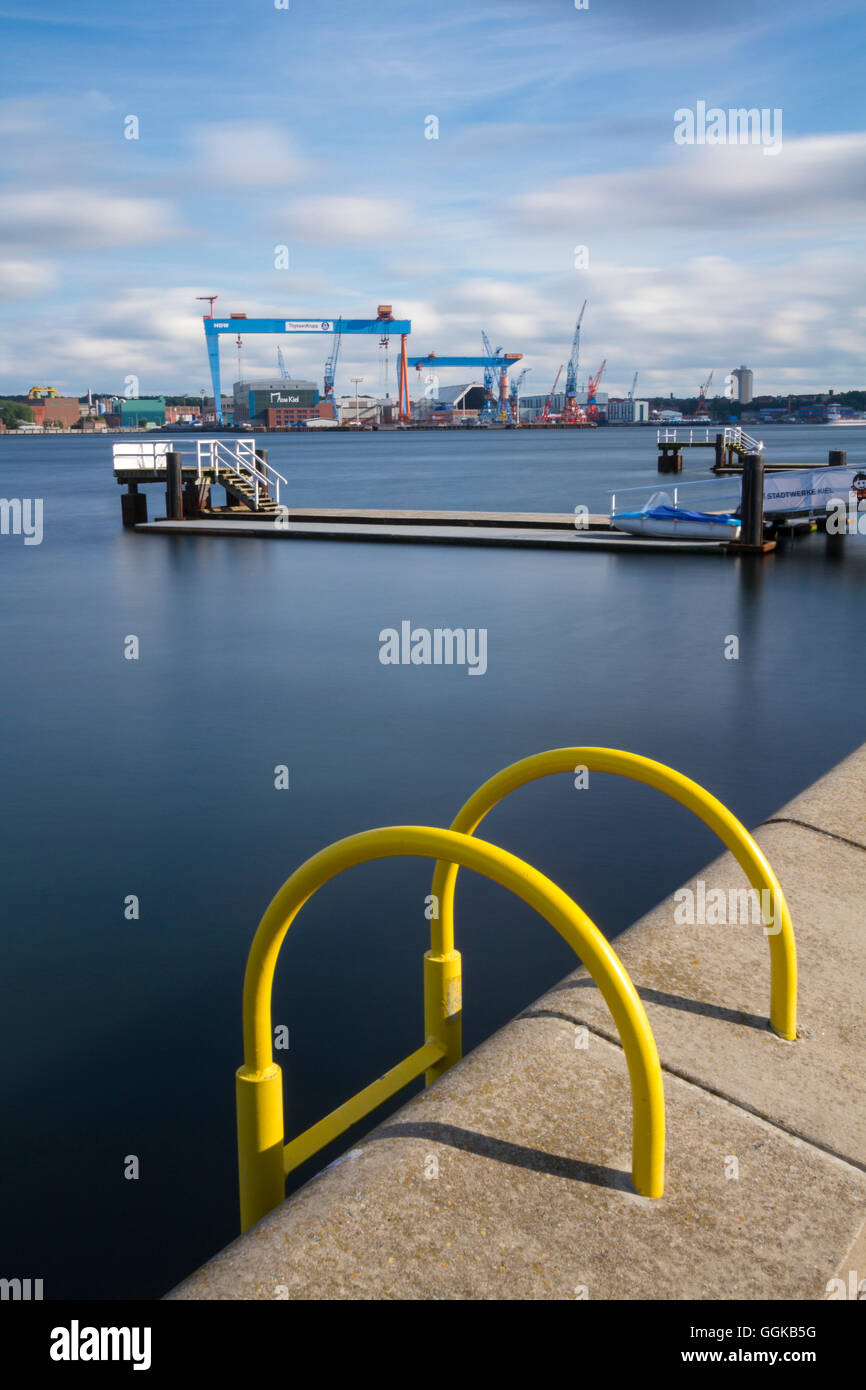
point(240, 456)
point(742, 441)
point(671, 436)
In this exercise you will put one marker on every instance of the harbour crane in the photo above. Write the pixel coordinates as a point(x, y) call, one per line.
point(284, 371)
point(331, 369)
point(497, 362)
point(633, 388)
point(702, 408)
point(572, 414)
point(545, 414)
point(490, 408)
point(515, 395)
point(591, 388)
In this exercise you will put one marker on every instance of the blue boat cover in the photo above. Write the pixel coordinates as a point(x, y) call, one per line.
point(681, 514)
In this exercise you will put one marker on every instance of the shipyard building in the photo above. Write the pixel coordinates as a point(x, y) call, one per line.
point(278, 404)
point(628, 412)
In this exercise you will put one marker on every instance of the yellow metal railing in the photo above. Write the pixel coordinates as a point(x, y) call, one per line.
point(734, 835)
point(264, 1160)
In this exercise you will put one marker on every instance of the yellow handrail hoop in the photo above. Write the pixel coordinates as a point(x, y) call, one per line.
point(261, 1153)
point(783, 951)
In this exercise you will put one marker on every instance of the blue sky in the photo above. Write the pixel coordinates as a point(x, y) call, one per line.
point(305, 127)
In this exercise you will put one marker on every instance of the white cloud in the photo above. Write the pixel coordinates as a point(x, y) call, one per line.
point(250, 153)
point(98, 101)
point(26, 279)
point(24, 116)
point(817, 180)
point(74, 217)
point(349, 220)
point(792, 321)
point(157, 315)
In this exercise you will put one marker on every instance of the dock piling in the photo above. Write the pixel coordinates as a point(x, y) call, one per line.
point(173, 486)
point(196, 498)
point(133, 505)
point(670, 459)
point(752, 508)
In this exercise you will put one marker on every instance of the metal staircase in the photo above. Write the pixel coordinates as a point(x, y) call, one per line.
point(242, 470)
point(243, 489)
point(738, 442)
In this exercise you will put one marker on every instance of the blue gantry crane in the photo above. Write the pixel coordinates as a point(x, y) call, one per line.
point(384, 323)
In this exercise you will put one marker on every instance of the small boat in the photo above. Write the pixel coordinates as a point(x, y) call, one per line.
point(678, 523)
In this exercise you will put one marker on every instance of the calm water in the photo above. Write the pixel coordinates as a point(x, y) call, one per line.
point(156, 778)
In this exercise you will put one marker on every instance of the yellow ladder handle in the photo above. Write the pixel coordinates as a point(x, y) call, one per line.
point(259, 1087)
point(734, 835)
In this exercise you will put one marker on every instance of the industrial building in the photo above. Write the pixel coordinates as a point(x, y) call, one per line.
point(451, 404)
point(627, 412)
point(358, 410)
point(55, 410)
point(150, 409)
point(183, 414)
point(278, 404)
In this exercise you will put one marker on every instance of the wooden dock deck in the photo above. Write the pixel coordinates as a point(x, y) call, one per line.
point(536, 531)
point(382, 516)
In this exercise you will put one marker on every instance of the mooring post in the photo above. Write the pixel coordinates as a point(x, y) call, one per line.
point(720, 450)
point(173, 486)
point(752, 526)
point(670, 459)
point(837, 458)
point(752, 507)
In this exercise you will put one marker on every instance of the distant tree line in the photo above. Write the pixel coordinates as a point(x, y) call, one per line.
point(14, 413)
point(721, 408)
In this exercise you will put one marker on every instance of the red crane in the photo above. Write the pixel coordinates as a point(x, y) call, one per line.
point(545, 414)
point(702, 411)
point(210, 299)
point(591, 388)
